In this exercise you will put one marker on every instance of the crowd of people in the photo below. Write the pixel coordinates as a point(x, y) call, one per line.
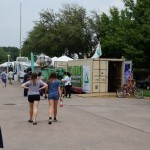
point(54, 89)
point(35, 86)
point(6, 76)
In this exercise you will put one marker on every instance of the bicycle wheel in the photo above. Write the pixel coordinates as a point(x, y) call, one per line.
point(121, 92)
point(138, 93)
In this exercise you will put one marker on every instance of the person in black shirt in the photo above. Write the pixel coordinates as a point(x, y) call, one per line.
point(25, 79)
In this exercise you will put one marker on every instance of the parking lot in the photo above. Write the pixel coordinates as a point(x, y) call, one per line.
point(84, 123)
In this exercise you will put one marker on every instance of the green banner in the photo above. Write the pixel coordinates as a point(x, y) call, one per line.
point(32, 62)
point(76, 75)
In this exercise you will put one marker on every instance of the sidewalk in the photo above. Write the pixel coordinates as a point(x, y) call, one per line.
point(84, 123)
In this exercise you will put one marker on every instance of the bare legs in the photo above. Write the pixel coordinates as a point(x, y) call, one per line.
point(30, 111)
point(33, 111)
point(52, 109)
point(63, 91)
point(51, 106)
point(55, 108)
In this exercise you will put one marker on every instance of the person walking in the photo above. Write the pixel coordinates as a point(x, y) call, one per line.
point(34, 86)
point(54, 93)
point(10, 77)
point(25, 79)
point(4, 78)
point(67, 81)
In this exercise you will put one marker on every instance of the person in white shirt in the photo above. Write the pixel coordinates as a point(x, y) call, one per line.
point(68, 85)
point(10, 76)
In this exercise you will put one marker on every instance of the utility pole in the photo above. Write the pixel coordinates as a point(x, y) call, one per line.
point(20, 29)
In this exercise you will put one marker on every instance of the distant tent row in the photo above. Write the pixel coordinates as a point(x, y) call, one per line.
point(7, 63)
point(62, 58)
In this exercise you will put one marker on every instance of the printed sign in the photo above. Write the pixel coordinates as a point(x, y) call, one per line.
point(86, 79)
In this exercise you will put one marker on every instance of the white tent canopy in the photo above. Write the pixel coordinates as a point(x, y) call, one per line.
point(53, 60)
point(63, 58)
point(7, 63)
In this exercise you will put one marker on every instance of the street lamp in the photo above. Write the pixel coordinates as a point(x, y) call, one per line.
point(8, 58)
point(8, 62)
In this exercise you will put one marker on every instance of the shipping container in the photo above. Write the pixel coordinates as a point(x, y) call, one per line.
point(96, 75)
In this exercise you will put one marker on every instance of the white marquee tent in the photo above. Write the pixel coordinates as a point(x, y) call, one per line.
point(63, 58)
point(53, 60)
point(7, 63)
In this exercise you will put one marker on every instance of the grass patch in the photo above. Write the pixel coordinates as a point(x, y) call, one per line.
point(146, 92)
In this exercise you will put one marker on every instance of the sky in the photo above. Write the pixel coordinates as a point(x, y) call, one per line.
point(30, 9)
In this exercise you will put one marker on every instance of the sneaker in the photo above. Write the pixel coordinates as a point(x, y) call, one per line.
point(34, 123)
point(30, 121)
point(127, 93)
point(50, 121)
point(55, 120)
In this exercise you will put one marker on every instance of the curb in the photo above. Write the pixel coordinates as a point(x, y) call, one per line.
point(146, 98)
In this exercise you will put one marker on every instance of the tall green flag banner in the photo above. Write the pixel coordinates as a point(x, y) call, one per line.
point(32, 62)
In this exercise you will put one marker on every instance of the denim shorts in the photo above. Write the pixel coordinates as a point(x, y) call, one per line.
point(53, 96)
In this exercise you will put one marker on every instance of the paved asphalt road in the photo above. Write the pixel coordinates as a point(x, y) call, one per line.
point(93, 123)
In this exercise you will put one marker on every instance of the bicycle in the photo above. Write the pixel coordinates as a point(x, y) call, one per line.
point(136, 92)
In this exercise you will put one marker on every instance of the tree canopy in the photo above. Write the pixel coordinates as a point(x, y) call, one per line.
point(72, 30)
point(5, 51)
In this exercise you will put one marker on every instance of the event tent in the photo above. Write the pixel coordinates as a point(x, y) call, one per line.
point(63, 58)
point(7, 63)
point(53, 60)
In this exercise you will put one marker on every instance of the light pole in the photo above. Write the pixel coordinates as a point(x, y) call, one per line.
point(8, 61)
point(20, 29)
point(8, 58)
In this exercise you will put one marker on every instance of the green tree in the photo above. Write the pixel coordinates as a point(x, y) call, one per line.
point(12, 51)
point(122, 33)
point(142, 23)
point(3, 56)
point(55, 34)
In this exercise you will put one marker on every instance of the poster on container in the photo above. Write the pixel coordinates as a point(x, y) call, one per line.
point(86, 79)
point(76, 75)
point(127, 70)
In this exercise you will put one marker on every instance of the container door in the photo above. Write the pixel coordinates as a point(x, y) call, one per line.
point(96, 76)
point(100, 76)
point(103, 76)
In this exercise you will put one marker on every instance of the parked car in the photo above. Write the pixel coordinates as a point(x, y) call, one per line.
point(143, 83)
